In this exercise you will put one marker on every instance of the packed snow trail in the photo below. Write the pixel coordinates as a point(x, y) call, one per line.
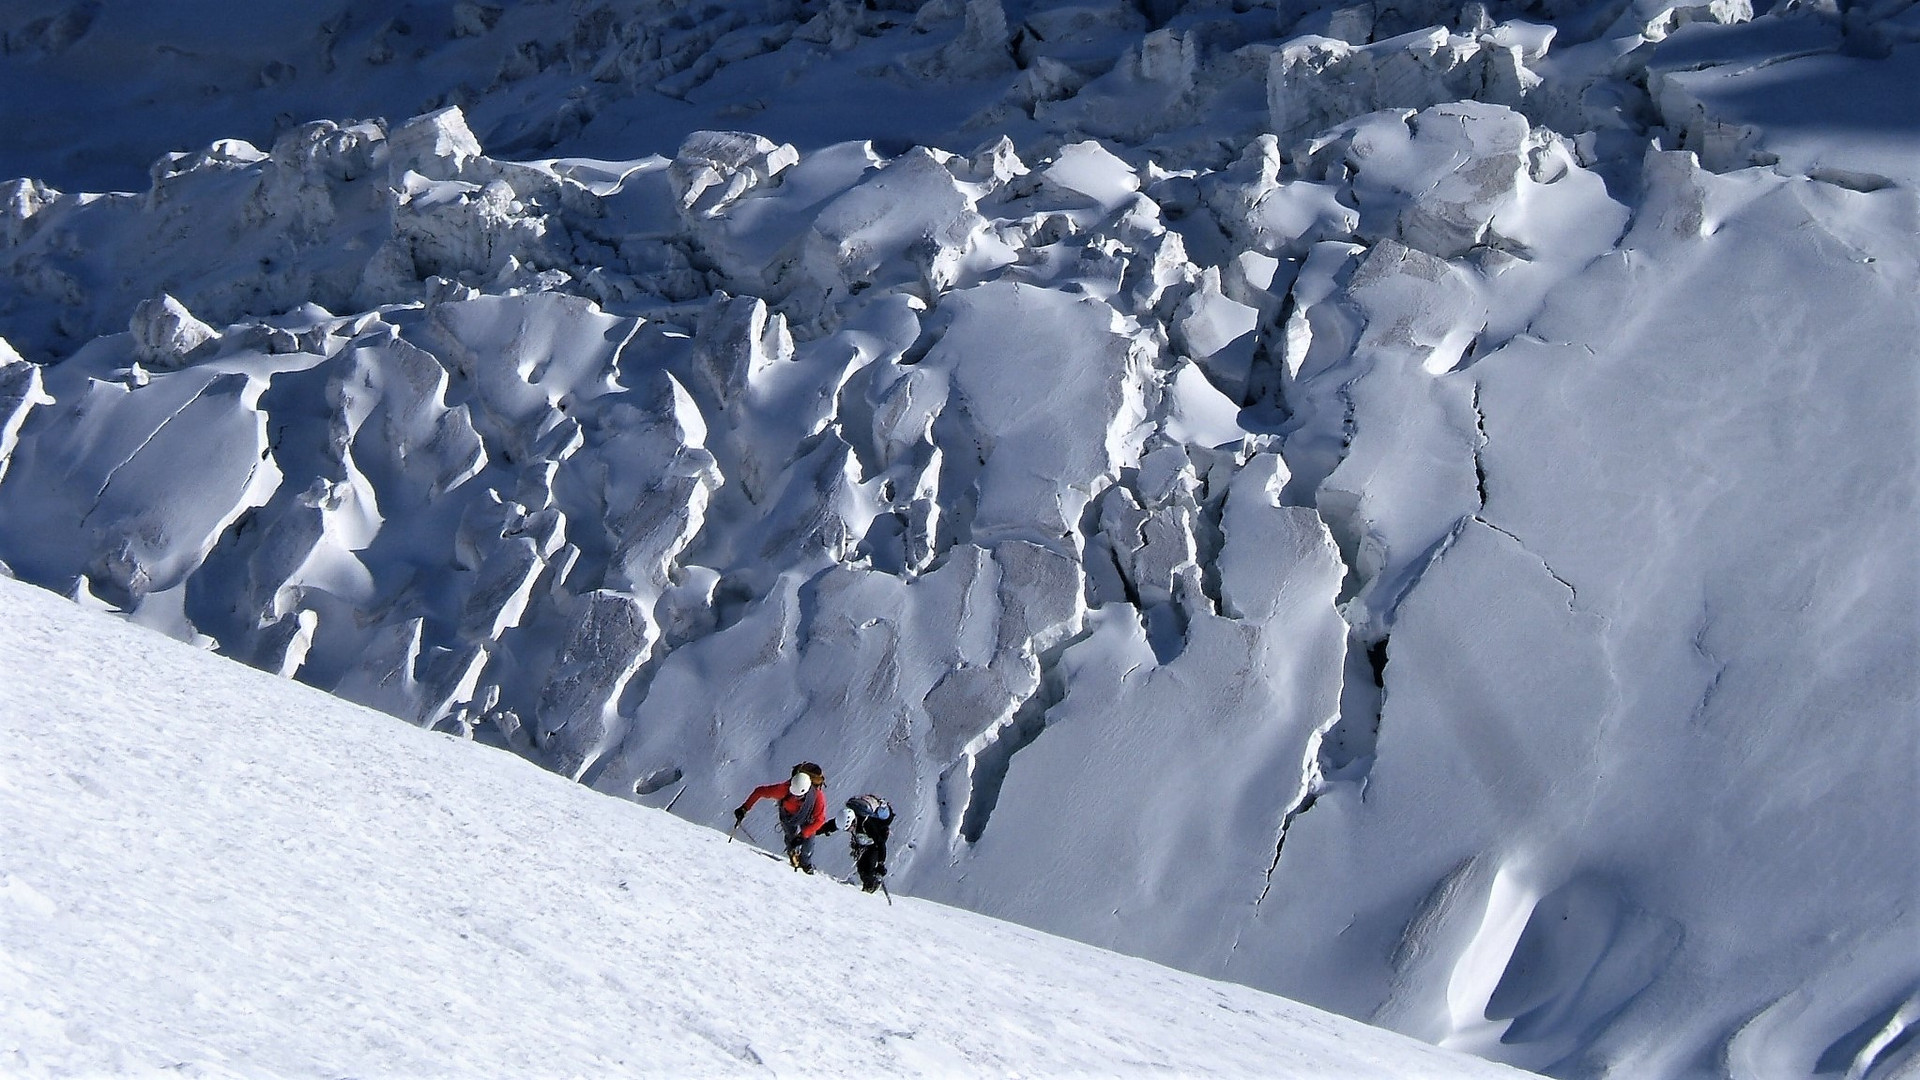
point(206, 871)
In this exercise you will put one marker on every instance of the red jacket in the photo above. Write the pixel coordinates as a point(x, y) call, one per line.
point(813, 805)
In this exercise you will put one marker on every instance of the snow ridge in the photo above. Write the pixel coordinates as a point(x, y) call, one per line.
point(210, 872)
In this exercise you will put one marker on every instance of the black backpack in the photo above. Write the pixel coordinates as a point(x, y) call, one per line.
point(872, 815)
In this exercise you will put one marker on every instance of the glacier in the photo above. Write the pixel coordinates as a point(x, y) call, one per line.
point(1405, 507)
point(211, 872)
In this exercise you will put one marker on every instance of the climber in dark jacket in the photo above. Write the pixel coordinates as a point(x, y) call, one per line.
point(803, 811)
point(867, 821)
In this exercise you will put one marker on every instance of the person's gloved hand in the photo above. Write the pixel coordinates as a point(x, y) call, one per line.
point(739, 814)
point(830, 827)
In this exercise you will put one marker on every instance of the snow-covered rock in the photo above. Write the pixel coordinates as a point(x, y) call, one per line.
point(165, 333)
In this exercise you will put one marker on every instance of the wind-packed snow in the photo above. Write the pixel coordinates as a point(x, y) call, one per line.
point(1405, 506)
point(208, 872)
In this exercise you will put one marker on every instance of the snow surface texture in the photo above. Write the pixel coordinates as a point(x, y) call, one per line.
point(210, 873)
point(1409, 507)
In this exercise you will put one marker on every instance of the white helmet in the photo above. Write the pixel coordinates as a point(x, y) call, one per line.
point(801, 784)
point(847, 820)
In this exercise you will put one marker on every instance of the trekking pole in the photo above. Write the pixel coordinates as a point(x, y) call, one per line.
point(885, 893)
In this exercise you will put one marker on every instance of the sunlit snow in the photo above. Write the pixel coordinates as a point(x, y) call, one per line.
point(211, 873)
point(1410, 507)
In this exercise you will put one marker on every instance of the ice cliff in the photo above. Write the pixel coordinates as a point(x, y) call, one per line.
point(1409, 507)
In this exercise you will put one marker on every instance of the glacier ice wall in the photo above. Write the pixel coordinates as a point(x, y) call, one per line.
point(1406, 507)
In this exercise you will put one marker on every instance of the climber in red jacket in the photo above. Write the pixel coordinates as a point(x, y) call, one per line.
point(803, 811)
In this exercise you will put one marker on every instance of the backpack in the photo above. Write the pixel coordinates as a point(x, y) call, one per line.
point(808, 767)
point(871, 808)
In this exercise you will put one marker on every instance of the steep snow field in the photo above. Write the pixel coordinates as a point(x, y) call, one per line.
point(208, 872)
point(1405, 505)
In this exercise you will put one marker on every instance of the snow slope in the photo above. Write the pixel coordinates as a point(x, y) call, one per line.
point(209, 872)
point(1409, 506)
